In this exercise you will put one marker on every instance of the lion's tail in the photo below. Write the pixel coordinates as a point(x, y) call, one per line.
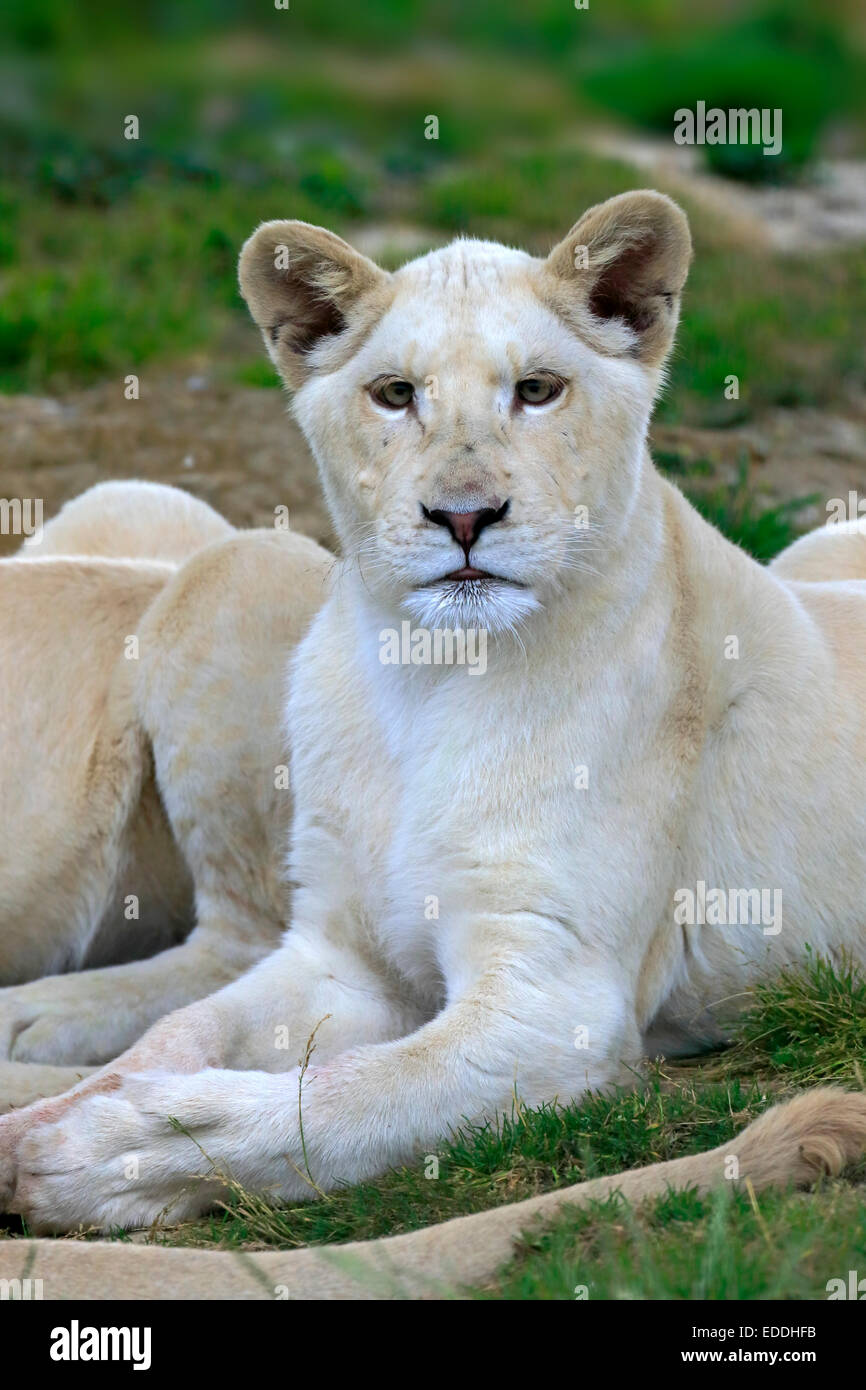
point(817, 1133)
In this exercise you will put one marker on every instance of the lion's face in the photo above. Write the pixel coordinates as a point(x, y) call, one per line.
point(471, 399)
point(478, 416)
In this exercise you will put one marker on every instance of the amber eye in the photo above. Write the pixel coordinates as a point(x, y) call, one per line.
point(392, 393)
point(538, 390)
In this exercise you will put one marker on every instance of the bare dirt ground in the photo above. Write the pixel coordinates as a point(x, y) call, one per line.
point(789, 454)
point(238, 449)
point(234, 447)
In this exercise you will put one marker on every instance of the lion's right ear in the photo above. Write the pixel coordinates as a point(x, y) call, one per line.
point(303, 284)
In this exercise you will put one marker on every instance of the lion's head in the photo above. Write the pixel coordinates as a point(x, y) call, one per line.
point(479, 415)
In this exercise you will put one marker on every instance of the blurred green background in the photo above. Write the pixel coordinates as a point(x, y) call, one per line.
point(116, 252)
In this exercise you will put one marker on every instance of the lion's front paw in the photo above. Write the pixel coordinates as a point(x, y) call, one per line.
point(155, 1147)
point(44, 1022)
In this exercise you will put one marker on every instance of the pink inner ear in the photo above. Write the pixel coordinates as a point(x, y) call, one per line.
point(623, 288)
point(313, 316)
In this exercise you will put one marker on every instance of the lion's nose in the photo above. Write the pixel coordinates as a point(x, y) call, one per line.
point(466, 527)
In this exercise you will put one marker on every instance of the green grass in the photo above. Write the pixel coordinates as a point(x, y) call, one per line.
point(764, 531)
point(785, 1246)
point(807, 1026)
point(533, 196)
point(734, 508)
point(115, 254)
point(802, 1028)
point(782, 325)
point(92, 290)
point(783, 57)
point(258, 372)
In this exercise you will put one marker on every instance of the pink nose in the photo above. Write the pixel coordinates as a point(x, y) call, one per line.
point(466, 527)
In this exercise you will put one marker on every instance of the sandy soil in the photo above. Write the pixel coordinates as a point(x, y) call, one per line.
point(790, 453)
point(234, 447)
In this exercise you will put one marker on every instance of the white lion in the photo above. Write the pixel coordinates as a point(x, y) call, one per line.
point(518, 883)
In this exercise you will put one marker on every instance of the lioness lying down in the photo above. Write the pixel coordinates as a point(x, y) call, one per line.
point(501, 884)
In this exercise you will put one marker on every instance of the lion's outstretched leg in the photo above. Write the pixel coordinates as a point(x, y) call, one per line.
point(261, 1023)
point(379, 1086)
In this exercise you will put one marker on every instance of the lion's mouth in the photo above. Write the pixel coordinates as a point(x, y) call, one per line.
point(469, 572)
point(470, 576)
point(470, 584)
point(471, 598)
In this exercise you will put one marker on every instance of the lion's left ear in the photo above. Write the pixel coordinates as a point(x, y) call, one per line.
point(620, 272)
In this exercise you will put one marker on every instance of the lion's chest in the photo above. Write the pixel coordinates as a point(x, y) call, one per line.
point(475, 812)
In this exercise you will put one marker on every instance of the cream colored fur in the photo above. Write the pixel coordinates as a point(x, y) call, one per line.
point(486, 870)
point(139, 811)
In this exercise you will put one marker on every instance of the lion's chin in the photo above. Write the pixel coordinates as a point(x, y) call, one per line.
point(490, 604)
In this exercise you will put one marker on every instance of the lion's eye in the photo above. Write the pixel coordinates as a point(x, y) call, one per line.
point(395, 394)
point(537, 390)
